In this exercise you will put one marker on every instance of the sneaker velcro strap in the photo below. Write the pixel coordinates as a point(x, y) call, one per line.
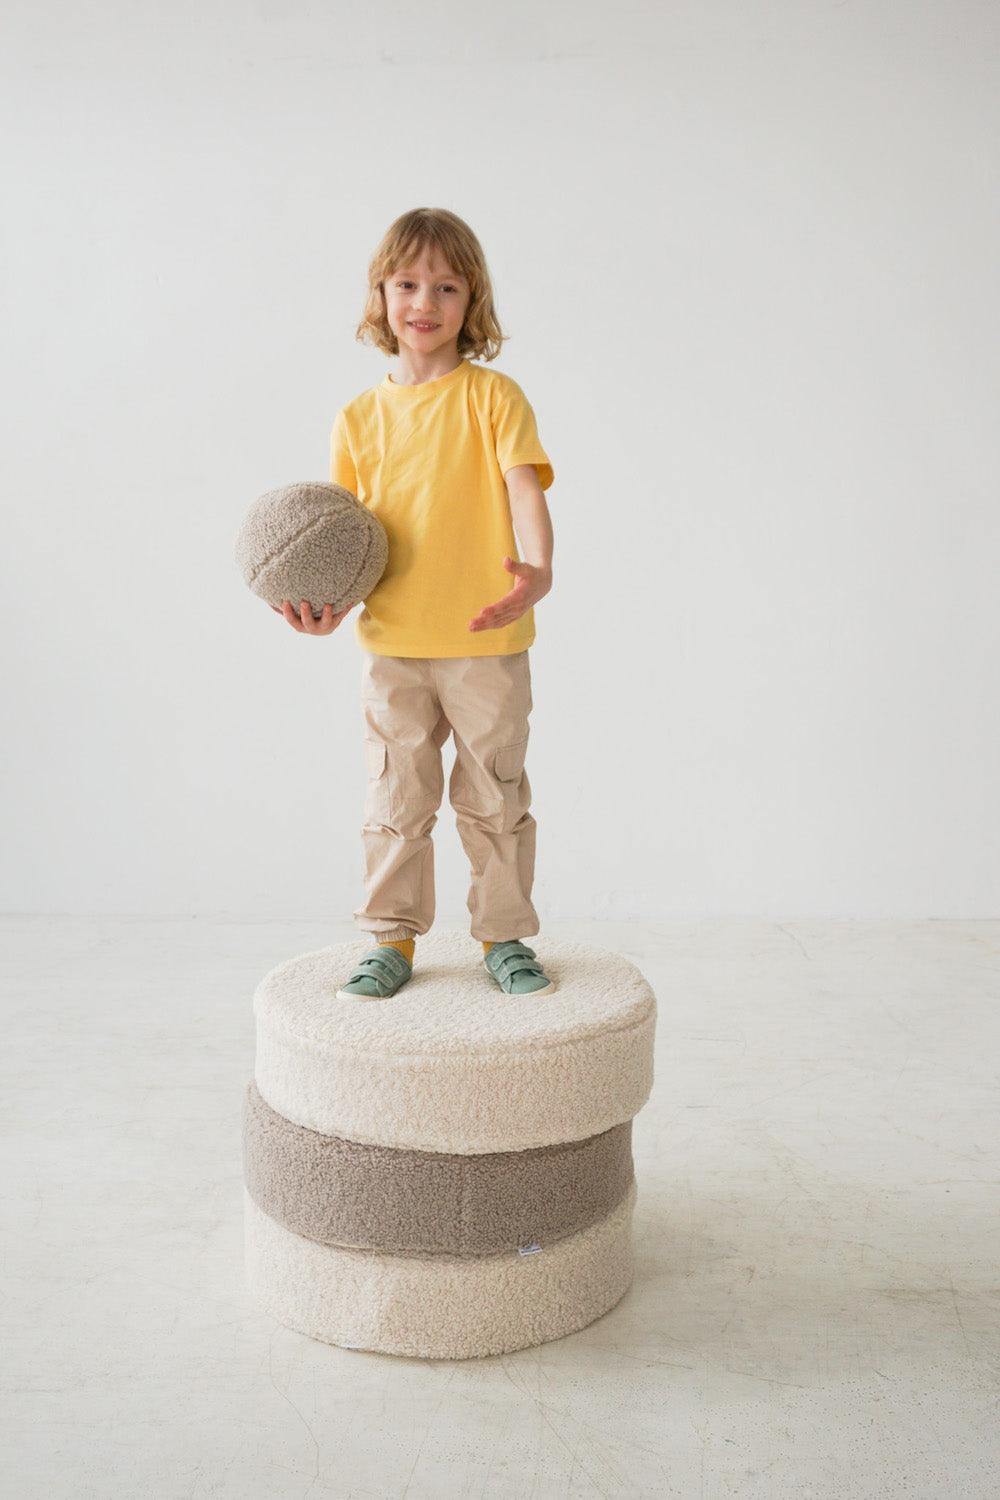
point(389, 956)
point(513, 963)
point(510, 957)
point(378, 965)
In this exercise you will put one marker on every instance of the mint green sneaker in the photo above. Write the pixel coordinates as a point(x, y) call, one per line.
point(516, 969)
point(377, 975)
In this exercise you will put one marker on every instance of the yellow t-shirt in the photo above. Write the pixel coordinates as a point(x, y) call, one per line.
point(428, 460)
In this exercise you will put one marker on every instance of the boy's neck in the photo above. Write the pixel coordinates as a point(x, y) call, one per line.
point(411, 369)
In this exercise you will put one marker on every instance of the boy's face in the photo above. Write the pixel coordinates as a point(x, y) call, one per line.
point(426, 291)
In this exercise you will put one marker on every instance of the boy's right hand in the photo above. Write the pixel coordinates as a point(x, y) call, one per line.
point(306, 624)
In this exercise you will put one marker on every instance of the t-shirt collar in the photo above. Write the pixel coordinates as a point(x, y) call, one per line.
point(427, 387)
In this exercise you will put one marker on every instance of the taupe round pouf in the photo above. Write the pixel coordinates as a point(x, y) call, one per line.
point(311, 541)
point(446, 1173)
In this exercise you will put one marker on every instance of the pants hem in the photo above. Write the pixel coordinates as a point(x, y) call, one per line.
point(391, 934)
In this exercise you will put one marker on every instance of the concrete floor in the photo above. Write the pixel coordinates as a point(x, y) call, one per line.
point(817, 1298)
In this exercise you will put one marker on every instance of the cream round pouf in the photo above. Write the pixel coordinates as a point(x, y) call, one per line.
point(446, 1173)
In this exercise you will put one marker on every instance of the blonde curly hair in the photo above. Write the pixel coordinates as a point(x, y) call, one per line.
point(481, 335)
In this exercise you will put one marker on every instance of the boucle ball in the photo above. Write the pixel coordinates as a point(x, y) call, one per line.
point(311, 541)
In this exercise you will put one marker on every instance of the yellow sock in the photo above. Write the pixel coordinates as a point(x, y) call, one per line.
point(488, 946)
point(405, 946)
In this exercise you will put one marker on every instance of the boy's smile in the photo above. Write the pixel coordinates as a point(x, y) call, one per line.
point(425, 304)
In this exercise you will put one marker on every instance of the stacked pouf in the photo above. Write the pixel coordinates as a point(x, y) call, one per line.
point(448, 1172)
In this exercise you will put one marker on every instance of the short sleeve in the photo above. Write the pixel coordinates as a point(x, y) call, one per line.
point(515, 432)
point(342, 470)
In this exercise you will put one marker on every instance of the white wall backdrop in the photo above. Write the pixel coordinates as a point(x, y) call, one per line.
point(747, 256)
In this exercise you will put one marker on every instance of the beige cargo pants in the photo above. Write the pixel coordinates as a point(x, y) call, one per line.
point(411, 704)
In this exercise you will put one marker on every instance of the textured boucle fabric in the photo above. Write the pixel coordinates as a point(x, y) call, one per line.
point(341, 1192)
point(439, 1307)
point(451, 1063)
point(446, 1173)
point(312, 541)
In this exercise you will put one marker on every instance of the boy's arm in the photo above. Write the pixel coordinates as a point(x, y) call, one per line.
point(530, 515)
point(533, 574)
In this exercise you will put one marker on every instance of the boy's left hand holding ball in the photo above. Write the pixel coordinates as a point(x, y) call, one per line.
point(307, 622)
point(531, 584)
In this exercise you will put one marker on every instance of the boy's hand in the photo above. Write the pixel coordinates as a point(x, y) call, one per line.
point(531, 584)
point(305, 624)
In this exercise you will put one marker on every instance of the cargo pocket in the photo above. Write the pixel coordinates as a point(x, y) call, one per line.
point(377, 802)
point(512, 785)
point(508, 761)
